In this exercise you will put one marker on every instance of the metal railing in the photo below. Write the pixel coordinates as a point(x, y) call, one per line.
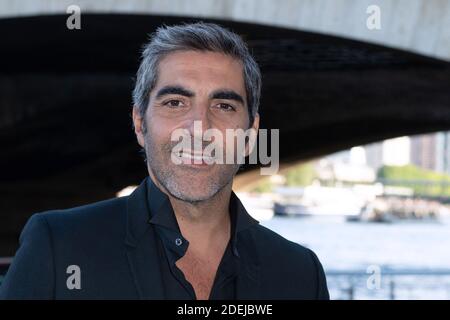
point(389, 284)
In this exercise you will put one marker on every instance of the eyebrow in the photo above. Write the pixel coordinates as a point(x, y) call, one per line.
point(174, 90)
point(227, 95)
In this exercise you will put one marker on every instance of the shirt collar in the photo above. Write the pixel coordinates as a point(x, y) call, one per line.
point(162, 215)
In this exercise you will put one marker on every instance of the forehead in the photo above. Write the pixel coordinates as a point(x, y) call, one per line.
point(201, 68)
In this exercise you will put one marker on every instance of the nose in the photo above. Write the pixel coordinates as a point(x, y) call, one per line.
point(199, 121)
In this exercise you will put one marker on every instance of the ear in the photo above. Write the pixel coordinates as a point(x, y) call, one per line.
point(138, 122)
point(255, 125)
point(252, 141)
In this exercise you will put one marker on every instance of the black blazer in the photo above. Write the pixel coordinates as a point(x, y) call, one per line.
point(115, 250)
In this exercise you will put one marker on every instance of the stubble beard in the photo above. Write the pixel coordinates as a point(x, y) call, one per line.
point(177, 180)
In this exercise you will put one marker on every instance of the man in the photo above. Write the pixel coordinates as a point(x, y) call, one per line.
point(183, 233)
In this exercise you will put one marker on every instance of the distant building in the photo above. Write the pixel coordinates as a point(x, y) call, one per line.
point(423, 151)
point(392, 152)
point(443, 152)
point(374, 155)
point(349, 166)
point(428, 151)
point(396, 152)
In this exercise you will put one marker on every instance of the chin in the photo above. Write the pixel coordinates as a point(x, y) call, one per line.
point(191, 192)
point(195, 195)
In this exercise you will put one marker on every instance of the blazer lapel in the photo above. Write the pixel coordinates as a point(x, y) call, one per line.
point(141, 245)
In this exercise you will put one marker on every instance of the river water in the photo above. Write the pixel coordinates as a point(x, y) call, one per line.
point(357, 246)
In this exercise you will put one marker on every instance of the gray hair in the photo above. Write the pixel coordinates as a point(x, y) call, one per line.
point(195, 36)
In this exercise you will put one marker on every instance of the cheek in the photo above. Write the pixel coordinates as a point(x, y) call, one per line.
point(159, 134)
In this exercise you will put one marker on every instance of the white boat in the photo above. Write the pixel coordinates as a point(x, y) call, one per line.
point(318, 200)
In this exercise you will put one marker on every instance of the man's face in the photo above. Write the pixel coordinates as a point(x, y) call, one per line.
point(192, 86)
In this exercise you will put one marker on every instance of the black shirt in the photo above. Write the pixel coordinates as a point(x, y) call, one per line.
point(172, 246)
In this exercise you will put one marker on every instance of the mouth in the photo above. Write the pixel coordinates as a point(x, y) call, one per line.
point(194, 158)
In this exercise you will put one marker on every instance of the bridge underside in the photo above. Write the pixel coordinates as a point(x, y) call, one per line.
point(65, 126)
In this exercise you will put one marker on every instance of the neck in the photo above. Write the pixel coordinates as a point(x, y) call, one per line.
point(205, 222)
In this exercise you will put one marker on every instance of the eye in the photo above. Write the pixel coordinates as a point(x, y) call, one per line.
point(225, 107)
point(173, 103)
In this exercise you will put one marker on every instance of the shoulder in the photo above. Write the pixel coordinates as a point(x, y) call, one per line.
point(290, 269)
point(82, 222)
point(276, 245)
point(52, 240)
point(104, 212)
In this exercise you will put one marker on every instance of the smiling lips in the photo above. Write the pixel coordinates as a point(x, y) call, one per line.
point(195, 158)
